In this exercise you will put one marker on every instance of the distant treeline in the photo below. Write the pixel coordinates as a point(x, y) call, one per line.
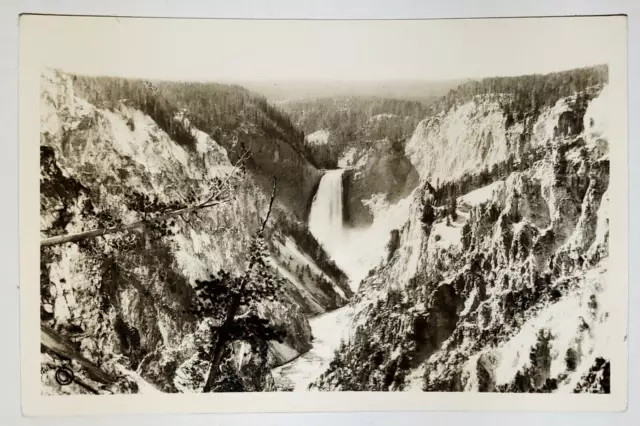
point(527, 93)
point(344, 116)
point(349, 120)
point(353, 121)
point(108, 92)
point(217, 109)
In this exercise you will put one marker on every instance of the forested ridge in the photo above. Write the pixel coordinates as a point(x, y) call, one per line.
point(357, 121)
point(353, 122)
point(217, 109)
point(526, 93)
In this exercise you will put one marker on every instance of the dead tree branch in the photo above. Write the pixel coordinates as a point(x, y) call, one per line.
point(57, 344)
point(128, 227)
point(220, 193)
point(273, 197)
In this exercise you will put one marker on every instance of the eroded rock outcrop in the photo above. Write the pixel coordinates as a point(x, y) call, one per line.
point(511, 292)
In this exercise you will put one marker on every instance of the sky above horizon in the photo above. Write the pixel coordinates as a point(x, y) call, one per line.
point(267, 50)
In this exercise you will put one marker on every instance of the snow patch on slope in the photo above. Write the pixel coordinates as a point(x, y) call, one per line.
point(474, 136)
point(319, 137)
point(347, 158)
point(465, 139)
point(481, 195)
point(445, 236)
point(578, 322)
point(382, 116)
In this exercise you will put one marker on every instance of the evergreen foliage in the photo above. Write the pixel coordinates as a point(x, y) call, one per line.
point(452, 207)
point(219, 110)
point(231, 301)
point(527, 94)
point(350, 122)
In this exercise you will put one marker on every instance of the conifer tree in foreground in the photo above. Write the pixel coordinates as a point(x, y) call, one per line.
point(230, 301)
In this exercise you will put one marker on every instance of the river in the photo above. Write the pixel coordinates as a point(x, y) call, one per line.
point(326, 225)
point(328, 330)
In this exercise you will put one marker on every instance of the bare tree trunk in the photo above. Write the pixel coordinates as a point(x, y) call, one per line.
point(122, 228)
point(219, 195)
point(266, 218)
point(57, 344)
point(223, 335)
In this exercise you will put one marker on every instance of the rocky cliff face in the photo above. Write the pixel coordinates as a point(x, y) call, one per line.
point(482, 132)
point(509, 293)
point(380, 169)
point(123, 302)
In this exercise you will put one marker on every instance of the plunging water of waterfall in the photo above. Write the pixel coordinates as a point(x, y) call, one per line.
point(325, 218)
point(326, 223)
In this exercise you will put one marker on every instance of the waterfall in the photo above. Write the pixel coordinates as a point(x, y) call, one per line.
point(325, 217)
point(355, 250)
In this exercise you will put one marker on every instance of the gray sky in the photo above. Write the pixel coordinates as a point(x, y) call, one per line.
point(241, 50)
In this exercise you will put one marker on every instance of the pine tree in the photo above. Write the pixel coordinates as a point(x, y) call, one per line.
point(222, 297)
point(466, 236)
point(560, 166)
point(428, 213)
point(453, 206)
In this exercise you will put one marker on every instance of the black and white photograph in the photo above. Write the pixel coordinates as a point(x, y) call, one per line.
point(232, 206)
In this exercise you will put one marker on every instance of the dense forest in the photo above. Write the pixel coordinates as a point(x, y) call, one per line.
point(217, 109)
point(527, 93)
point(343, 116)
point(353, 121)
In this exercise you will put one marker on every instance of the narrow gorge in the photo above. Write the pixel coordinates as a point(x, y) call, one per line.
point(340, 244)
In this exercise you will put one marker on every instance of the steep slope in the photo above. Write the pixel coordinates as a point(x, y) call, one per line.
point(484, 122)
point(380, 170)
point(478, 134)
point(507, 290)
point(235, 117)
point(124, 301)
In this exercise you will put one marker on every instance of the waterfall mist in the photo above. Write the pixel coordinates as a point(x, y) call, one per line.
point(355, 250)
